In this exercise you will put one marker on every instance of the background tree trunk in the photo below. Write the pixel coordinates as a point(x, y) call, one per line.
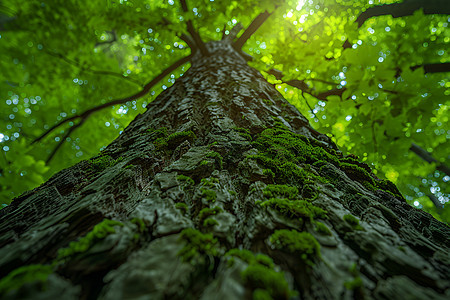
point(220, 164)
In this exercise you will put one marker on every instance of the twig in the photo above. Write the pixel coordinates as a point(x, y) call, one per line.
point(83, 116)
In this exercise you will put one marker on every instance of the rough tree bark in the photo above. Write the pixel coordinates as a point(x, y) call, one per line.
point(221, 190)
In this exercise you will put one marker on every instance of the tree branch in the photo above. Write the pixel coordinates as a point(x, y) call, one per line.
point(60, 143)
point(187, 39)
point(233, 32)
point(251, 29)
point(194, 34)
point(304, 87)
point(84, 115)
point(433, 68)
point(405, 8)
point(426, 156)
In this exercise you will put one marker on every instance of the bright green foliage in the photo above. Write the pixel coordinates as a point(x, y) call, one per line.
point(217, 157)
point(282, 191)
point(352, 221)
point(187, 179)
point(99, 232)
point(22, 275)
point(209, 195)
point(197, 243)
point(295, 208)
point(301, 243)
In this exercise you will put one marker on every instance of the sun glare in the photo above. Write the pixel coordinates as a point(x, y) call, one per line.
point(300, 4)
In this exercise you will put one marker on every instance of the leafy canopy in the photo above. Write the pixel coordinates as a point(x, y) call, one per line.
point(375, 83)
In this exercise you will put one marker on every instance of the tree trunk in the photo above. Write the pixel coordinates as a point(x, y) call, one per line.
point(221, 189)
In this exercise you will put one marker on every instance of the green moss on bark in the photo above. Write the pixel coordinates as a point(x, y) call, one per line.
point(260, 275)
point(99, 232)
point(352, 221)
point(280, 191)
point(295, 208)
point(188, 180)
point(301, 243)
point(20, 276)
point(197, 243)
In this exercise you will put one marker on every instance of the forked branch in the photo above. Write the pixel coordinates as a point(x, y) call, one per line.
point(86, 114)
point(194, 33)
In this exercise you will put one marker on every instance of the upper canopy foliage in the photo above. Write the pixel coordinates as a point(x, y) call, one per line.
point(371, 74)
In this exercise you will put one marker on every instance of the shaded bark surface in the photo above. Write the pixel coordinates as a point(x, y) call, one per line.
point(211, 115)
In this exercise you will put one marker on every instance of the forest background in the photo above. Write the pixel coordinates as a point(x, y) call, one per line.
point(372, 75)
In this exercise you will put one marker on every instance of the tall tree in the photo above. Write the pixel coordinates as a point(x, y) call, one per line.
point(220, 189)
point(374, 83)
